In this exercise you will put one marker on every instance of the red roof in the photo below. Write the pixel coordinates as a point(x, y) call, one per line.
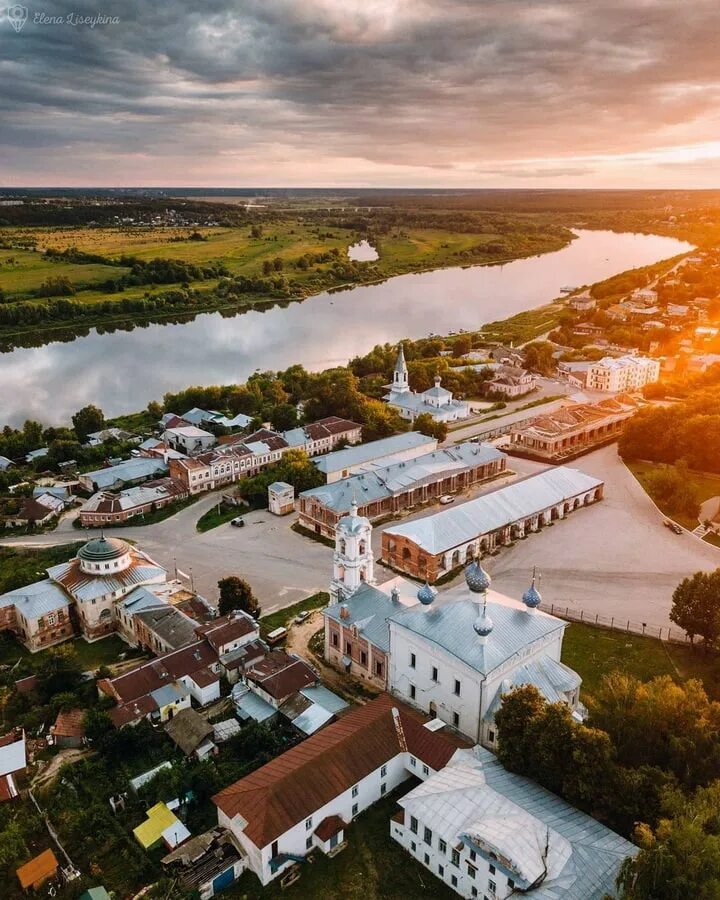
point(8, 788)
point(331, 425)
point(133, 711)
point(70, 724)
point(296, 784)
point(328, 827)
point(226, 629)
point(280, 674)
point(38, 870)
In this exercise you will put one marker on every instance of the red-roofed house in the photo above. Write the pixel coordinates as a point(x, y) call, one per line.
point(278, 675)
point(230, 632)
point(303, 799)
point(69, 728)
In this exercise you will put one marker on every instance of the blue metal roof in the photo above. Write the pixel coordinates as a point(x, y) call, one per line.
point(324, 697)
point(313, 718)
point(450, 626)
point(250, 706)
point(169, 693)
point(369, 609)
point(37, 599)
point(366, 453)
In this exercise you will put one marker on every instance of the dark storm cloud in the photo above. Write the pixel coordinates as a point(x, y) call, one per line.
point(286, 91)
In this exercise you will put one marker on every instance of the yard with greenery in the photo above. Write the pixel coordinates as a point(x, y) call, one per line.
point(701, 486)
point(283, 617)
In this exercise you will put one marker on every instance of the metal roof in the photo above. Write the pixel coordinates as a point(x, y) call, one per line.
point(129, 470)
point(552, 678)
point(169, 693)
point(250, 706)
point(320, 694)
point(450, 626)
point(532, 832)
point(399, 477)
point(368, 609)
point(364, 453)
point(312, 719)
point(145, 777)
point(37, 599)
point(467, 521)
point(12, 757)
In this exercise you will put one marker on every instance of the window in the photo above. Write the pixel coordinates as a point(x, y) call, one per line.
point(473, 855)
point(453, 881)
point(426, 771)
point(383, 771)
point(379, 669)
point(383, 789)
point(413, 824)
point(354, 809)
point(413, 761)
point(335, 640)
point(308, 843)
point(412, 691)
point(274, 849)
point(471, 870)
point(492, 887)
point(457, 688)
point(456, 720)
point(442, 846)
point(355, 791)
point(363, 658)
point(491, 737)
point(412, 660)
point(427, 836)
point(434, 673)
point(308, 824)
point(492, 869)
point(473, 891)
point(426, 860)
point(511, 884)
point(441, 871)
point(413, 846)
point(348, 648)
point(455, 858)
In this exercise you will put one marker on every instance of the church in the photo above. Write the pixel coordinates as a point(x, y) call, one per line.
point(436, 401)
point(450, 657)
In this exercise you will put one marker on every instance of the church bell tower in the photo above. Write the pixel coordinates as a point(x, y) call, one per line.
point(401, 382)
point(353, 558)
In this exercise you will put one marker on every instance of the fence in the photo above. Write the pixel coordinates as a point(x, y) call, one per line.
point(615, 623)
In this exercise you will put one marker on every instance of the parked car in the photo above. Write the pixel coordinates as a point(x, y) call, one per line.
point(238, 521)
point(447, 498)
point(673, 526)
point(300, 617)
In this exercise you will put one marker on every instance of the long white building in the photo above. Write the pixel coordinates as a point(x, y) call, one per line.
point(623, 373)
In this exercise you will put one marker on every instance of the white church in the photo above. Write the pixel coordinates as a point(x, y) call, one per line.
point(453, 657)
point(436, 401)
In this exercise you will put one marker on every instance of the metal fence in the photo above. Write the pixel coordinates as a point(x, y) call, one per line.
point(616, 623)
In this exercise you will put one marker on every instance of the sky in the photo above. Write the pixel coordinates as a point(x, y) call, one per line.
point(361, 93)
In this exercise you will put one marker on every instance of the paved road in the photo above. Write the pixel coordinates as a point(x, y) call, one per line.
point(614, 558)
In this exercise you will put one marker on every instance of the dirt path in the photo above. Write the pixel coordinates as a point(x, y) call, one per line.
point(46, 775)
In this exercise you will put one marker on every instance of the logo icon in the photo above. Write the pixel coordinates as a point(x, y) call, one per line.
point(17, 16)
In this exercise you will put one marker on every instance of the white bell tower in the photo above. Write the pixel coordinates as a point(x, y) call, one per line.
point(401, 382)
point(353, 558)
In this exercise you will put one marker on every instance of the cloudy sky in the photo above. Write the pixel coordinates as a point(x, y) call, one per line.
point(456, 93)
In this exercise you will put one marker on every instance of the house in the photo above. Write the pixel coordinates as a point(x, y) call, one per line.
point(307, 798)
point(431, 547)
point(399, 486)
point(163, 825)
point(111, 434)
point(324, 435)
point(229, 633)
point(486, 832)
point(5, 463)
point(189, 439)
point(191, 733)
point(35, 455)
point(454, 659)
point(582, 302)
point(210, 417)
point(13, 761)
point(40, 869)
point(208, 863)
point(278, 676)
point(437, 402)
point(124, 474)
point(511, 382)
point(362, 457)
point(40, 510)
point(160, 688)
point(108, 508)
point(170, 615)
point(69, 729)
point(281, 498)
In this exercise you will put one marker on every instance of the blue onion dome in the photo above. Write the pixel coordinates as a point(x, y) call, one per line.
point(477, 578)
point(483, 625)
point(426, 594)
point(532, 598)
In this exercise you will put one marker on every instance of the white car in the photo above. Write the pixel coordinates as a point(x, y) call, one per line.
point(447, 498)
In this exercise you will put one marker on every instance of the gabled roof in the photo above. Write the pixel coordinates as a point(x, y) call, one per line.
point(12, 753)
point(368, 608)
point(70, 724)
point(365, 453)
point(296, 784)
point(35, 600)
point(38, 869)
point(188, 730)
point(279, 674)
point(227, 629)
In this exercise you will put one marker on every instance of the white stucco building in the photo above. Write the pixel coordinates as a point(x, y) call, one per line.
point(623, 373)
point(455, 659)
point(436, 401)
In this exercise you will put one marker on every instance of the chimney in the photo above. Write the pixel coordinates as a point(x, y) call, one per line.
point(344, 611)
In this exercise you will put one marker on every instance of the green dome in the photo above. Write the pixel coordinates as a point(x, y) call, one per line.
point(103, 549)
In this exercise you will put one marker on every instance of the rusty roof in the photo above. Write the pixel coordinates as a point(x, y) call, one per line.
point(296, 784)
point(280, 674)
point(329, 826)
point(70, 724)
point(38, 869)
point(226, 629)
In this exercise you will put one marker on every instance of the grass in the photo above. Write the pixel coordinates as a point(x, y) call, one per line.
point(593, 652)
point(308, 533)
point(713, 539)
point(219, 515)
point(372, 867)
point(706, 486)
point(22, 271)
point(91, 656)
point(283, 617)
point(19, 567)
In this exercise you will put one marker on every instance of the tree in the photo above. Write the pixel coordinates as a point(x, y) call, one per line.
point(87, 420)
point(425, 424)
point(696, 606)
point(539, 357)
point(59, 671)
point(283, 417)
point(155, 410)
point(236, 593)
point(519, 712)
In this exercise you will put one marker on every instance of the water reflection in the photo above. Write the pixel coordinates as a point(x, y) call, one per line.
point(122, 371)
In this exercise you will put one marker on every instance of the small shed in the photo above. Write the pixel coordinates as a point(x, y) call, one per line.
point(281, 498)
point(39, 870)
point(95, 893)
point(191, 732)
point(69, 728)
point(161, 824)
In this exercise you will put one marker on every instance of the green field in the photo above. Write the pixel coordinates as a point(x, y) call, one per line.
point(22, 271)
point(593, 652)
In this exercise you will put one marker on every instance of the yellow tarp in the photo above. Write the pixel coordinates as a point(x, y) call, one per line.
point(159, 817)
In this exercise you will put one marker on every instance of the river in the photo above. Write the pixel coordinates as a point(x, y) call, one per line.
point(122, 372)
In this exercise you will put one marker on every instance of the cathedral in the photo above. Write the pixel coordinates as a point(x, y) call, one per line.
point(436, 401)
